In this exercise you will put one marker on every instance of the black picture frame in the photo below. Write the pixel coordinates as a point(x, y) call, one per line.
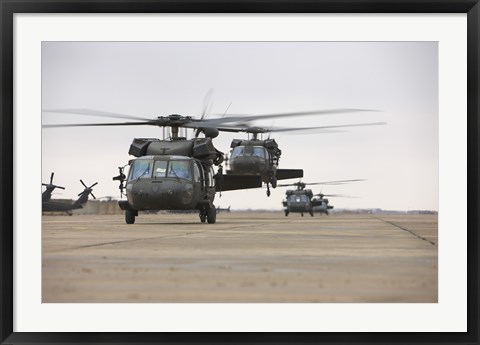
point(9, 7)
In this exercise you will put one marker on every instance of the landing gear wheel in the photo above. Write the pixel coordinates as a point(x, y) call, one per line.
point(268, 189)
point(286, 213)
point(311, 213)
point(212, 215)
point(302, 214)
point(129, 216)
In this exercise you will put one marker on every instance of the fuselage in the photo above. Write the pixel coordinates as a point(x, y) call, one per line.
point(298, 201)
point(252, 160)
point(169, 183)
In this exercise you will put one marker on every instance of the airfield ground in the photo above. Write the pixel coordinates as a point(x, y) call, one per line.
point(244, 257)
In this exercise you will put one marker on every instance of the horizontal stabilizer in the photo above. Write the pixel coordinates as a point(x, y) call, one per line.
point(234, 182)
point(283, 174)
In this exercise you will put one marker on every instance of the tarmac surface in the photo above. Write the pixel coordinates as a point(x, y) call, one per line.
point(259, 257)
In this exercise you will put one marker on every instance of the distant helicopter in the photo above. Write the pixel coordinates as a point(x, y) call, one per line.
point(219, 209)
point(256, 156)
point(321, 204)
point(47, 194)
point(51, 206)
point(301, 200)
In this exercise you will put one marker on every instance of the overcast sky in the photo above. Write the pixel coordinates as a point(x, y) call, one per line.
point(147, 79)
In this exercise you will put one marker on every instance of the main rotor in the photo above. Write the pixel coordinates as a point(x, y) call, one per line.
point(209, 127)
point(301, 185)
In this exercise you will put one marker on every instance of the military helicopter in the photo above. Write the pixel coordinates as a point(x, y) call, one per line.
point(47, 194)
point(51, 206)
point(321, 204)
point(219, 209)
point(300, 200)
point(255, 156)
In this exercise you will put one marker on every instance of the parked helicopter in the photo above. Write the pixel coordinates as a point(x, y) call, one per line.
point(178, 174)
point(256, 156)
point(51, 206)
point(47, 193)
point(301, 200)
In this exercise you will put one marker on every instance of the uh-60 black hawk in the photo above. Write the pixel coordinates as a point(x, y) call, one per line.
point(321, 204)
point(176, 173)
point(301, 200)
point(258, 156)
point(49, 205)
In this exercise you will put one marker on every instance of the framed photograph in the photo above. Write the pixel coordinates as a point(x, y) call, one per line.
point(239, 172)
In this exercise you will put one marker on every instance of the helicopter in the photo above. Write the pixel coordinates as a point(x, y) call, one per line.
point(219, 209)
point(256, 156)
point(321, 204)
point(47, 194)
point(52, 206)
point(301, 200)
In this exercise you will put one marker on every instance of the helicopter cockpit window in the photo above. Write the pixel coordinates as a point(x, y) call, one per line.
point(258, 151)
point(179, 169)
point(160, 169)
point(142, 168)
point(298, 198)
point(196, 172)
point(238, 152)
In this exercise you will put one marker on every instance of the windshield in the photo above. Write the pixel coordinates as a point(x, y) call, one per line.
point(258, 151)
point(298, 198)
point(160, 169)
point(237, 152)
point(179, 169)
point(141, 168)
point(249, 151)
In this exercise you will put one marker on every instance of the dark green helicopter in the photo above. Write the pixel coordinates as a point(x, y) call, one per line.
point(301, 200)
point(321, 204)
point(177, 173)
point(256, 156)
point(53, 206)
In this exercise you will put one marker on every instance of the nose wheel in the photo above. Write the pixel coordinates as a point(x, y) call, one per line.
point(209, 215)
point(268, 189)
point(130, 216)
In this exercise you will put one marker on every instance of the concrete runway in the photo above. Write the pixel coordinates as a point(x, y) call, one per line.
point(244, 257)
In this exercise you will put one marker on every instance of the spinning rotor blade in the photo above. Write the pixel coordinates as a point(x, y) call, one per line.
point(207, 103)
point(246, 118)
point(237, 123)
point(276, 130)
point(336, 196)
point(91, 112)
point(317, 183)
point(100, 124)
